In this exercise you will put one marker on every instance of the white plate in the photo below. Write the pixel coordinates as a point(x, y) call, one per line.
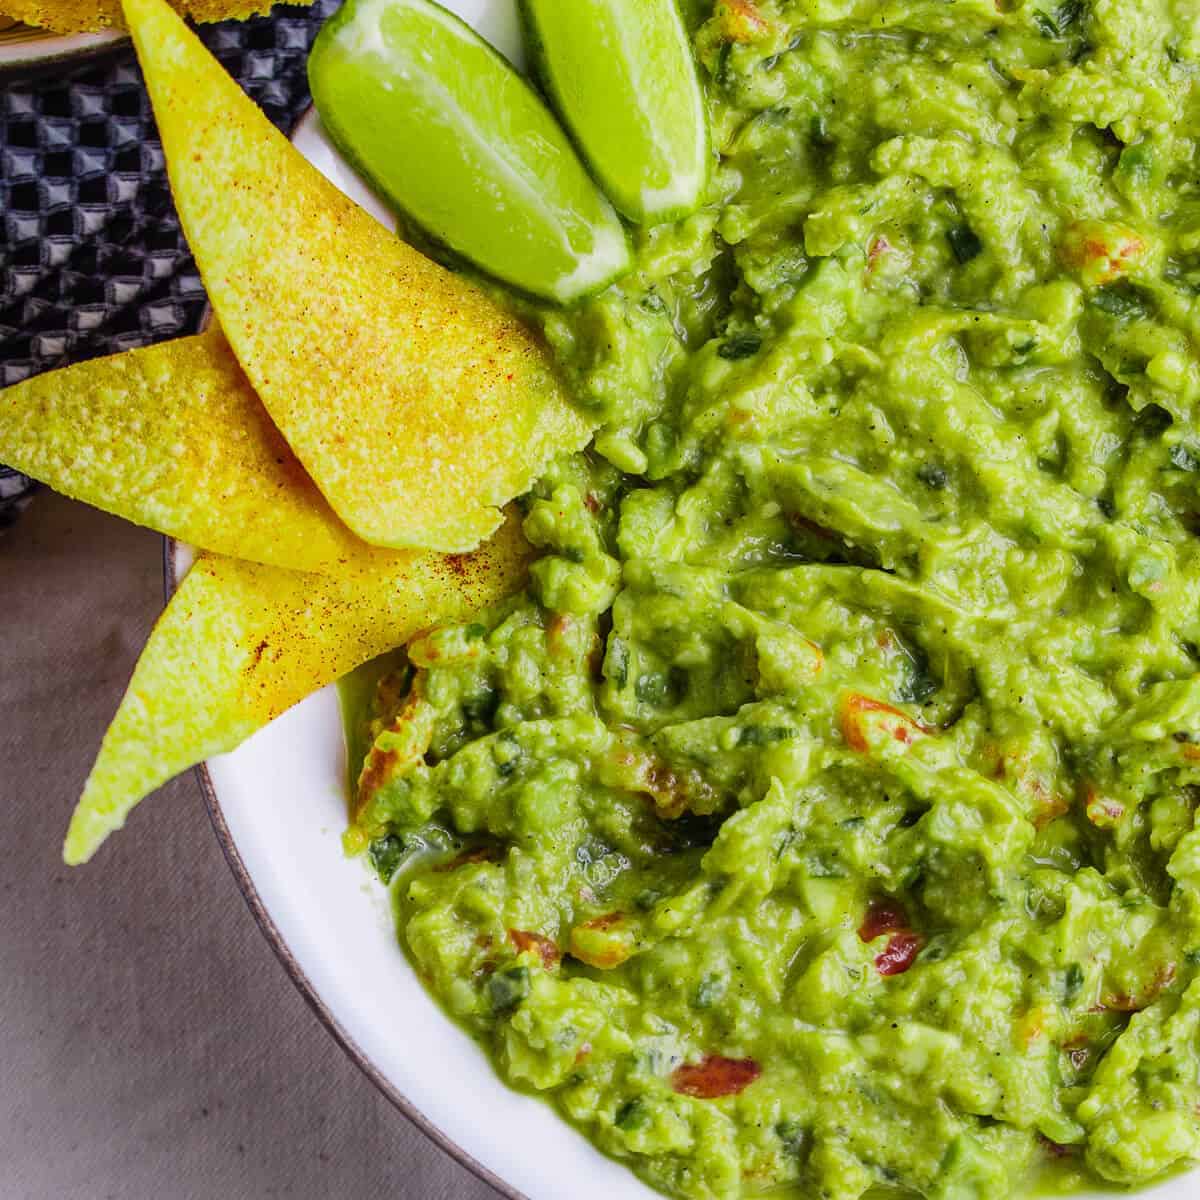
point(279, 807)
point(21, 46)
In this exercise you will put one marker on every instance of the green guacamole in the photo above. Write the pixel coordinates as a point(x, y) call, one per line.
point(823, 814)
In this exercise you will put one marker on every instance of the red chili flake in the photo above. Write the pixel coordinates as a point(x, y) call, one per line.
point(898, 954)
point(591, 503)
point(883, 916)
point(546, 950)
point(715, 1076)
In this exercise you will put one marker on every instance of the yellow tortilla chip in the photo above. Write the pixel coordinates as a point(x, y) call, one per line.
point(240, 643)
point(93, 16)
point(417, 405)
point(173, 437)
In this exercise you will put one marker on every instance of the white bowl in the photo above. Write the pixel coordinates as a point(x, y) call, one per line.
point(278, 804)
point(22, 47)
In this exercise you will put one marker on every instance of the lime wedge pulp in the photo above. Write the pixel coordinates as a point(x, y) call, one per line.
point(451, 135)
point(622, 76)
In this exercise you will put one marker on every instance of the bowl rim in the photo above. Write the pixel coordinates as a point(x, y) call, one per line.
point(43, 50)
point(295, 971)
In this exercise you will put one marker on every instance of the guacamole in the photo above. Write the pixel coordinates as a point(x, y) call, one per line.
point(823, 814)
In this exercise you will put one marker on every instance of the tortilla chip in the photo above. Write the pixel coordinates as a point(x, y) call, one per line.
point(416, 404)
point(93, 16)
point(174, 438)
point(240, 643)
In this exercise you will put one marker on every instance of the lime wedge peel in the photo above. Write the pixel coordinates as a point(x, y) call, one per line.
point(623, 77)
point(452, 136)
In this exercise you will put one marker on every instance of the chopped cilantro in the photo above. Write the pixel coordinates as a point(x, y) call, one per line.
point(506, 989)
point(386, 854)
point(964, 242)
point(742, 345)
point(1123, 300)
point(764, 735)
point(1072, 983)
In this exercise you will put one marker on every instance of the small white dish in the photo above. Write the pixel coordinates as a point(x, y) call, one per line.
point(279, 806)
point(22, 46)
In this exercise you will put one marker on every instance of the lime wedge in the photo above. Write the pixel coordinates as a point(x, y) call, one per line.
point(448, 132)
point(622, 75)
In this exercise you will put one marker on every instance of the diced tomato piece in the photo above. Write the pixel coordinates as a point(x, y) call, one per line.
point(1122, 1002)
point(1100, 251)
point(859, 713)
point(605, 941)
point(1102, 812)
point(1015, 768)
point(715, 1076)
point(899, 953)
point(884, 915)
point(542, 946)
point(742, 22)
point(1050, 808)
point(673, 791)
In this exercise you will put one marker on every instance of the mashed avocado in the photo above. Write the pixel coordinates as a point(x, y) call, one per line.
point(823, 814)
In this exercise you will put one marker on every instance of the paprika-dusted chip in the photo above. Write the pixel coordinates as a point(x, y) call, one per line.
point(240, 643)
point(173, 437)
point(415, 402)
point(93, 16)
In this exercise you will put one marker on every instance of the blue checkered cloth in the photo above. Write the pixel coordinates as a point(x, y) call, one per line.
point(92, 258)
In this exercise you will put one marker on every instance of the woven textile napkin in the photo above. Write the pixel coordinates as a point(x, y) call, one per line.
point(92, 259)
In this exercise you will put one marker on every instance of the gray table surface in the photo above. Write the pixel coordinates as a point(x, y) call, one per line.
point(151, 1046)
